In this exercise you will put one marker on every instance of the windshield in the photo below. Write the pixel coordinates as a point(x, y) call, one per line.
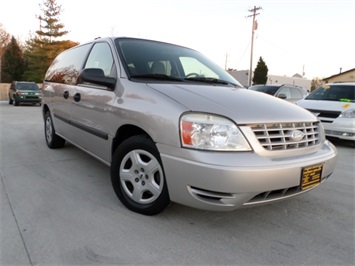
point(341, 93)
point(144, 59)
point(26, 86)
point(266, 89)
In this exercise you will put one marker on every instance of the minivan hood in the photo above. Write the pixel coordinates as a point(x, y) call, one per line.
point(239, 104)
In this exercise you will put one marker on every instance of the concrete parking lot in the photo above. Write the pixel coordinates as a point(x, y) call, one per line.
point(58, 208)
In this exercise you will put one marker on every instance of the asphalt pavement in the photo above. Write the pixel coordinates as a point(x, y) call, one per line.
point(58, 208)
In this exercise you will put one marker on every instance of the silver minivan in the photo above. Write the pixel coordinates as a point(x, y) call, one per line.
point(175, 127)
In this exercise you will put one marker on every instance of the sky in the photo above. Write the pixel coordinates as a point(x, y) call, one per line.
point(314, 37)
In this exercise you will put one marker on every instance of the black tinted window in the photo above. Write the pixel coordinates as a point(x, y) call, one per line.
point(67, 66)
point(266, 89)
point(26, 86)
point(334, 93)
point(143, 57)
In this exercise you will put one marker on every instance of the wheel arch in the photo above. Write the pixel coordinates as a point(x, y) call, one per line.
point(45, 109)
point(125, 132)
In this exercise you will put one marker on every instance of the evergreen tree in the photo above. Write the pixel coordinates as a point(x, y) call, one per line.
point(36, 60)
point(13, 62)
point(260, 72)
point(4, 40)
point(52, 28)
point(45, 46)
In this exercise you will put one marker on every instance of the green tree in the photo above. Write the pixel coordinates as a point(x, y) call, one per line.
point(260, 72)
point(52, 28)
point(13, 61)
point(4, 40)
point(42, 48)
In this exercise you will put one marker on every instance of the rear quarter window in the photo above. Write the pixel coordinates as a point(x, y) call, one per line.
point(67, 66)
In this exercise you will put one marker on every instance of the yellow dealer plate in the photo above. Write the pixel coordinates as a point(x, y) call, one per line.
point(311, 176)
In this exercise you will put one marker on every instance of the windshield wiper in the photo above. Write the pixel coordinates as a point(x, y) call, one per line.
point(156, 76)
point(324, 99)
point(210, 80)
point(171, 78)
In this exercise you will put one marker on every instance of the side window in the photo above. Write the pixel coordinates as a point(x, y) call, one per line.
point(193, 66)
point(304, 93)
point(67, 66)
point(296, 93)
point(101, 57)
point(285, 91)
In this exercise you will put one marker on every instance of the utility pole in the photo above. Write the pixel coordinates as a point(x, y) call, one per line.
point(254, 27)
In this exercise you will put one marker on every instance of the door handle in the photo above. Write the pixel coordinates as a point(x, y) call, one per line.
point(66, 94)
point(77, 97)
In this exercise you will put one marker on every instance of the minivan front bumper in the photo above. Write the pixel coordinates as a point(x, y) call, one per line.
point(208, 180)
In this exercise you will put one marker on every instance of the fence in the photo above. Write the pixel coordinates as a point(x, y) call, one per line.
point(4, 91)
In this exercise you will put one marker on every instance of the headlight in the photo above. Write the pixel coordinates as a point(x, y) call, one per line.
point(211, 132)
point(348, 114)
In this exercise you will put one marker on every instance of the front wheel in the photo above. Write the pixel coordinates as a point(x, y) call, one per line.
point(16, 103)
point(52, 139)
point(137, 176)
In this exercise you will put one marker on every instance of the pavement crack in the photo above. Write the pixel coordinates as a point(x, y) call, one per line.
point(18, 226)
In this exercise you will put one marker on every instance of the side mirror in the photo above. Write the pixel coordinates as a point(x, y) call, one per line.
point(282, 96)
point(96, 76)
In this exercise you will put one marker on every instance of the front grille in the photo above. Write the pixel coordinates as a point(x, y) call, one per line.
point(279, 136)
point(274, 194)
point(278, 194)
point(325, 114)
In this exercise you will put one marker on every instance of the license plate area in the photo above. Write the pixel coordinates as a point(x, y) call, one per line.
point(311, 176)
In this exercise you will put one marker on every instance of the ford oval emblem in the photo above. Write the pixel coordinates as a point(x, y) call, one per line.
point(296, 135)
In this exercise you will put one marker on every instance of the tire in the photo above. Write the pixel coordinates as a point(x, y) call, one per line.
point(52, 139)
point(16, 103)
point(137, 176)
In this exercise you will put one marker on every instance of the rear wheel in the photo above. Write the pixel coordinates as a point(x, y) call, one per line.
point(16, 103)
point(52, 139)
point(137, 176)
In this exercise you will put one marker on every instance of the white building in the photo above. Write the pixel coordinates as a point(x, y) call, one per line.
point(243, 77)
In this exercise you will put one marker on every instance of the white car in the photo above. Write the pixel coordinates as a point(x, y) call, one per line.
point(334, 105)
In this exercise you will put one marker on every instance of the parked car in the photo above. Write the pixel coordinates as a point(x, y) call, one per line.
point(287, 92)
point(334, 105)
point(173, 126)
point(24, 92)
